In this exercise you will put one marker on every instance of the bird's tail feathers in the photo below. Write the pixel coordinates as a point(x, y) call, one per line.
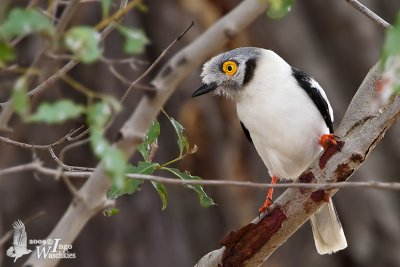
point(327, 230)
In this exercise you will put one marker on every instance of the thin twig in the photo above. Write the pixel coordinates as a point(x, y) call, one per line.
point(119, 76)
point(129, 60)
point(120, 13)
point(67, 137)
point(71, 146)
point(155, 63)
point(37, 166)
point(65, 18)
point(68, 167)
point(369, 13)
point(20, 168)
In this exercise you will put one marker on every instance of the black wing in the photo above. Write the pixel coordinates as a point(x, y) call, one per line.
point(246, 132)
point(304, 80)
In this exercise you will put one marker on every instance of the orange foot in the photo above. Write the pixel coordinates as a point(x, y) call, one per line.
point(327, 140)
point(265, 206)
point(268, 200)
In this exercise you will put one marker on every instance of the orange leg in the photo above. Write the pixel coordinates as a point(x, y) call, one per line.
point(268, 200)
point(327, 140)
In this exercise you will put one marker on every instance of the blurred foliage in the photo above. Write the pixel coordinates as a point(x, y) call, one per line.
point(105, 7)
point(84, 44)
point(7, 53)
point(21, 22)
point(391, 46)
point(58, 112)
point(19, 96)
point(279, 8)
point(390, 63)
point(135, 40)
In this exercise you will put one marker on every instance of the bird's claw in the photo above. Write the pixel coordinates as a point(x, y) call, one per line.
point(327, 140)
point(265, 206)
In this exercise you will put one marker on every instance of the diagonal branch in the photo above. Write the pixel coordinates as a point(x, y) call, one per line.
point(369, 14)
point(93, 192)
point(361, 130)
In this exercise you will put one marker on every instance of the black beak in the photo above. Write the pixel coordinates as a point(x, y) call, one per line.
point(204, 89)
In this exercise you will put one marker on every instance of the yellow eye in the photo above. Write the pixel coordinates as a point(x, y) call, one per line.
point(229, 67)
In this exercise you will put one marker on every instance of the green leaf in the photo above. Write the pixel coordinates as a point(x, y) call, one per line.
point(7, 53)
point(99, 114)
point(396, 89)
point(105, 7)
point(162, 192)
point(135, 40)
point(114, 103)
point(182, 139)
point(111, 212)
point(19, 96)
point(58, 112)
point(115, 163)
point(133, 185)
point(205, 200)
point(98, 143)
point(113, 159)
point(143, 168)
point(25, 21)
point(83, 42)
point(391, 45)
point(151, 137)
point(279, 8)
point(142, 7)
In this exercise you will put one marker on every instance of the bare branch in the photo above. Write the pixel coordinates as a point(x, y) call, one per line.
point(117, 15)
point(155, 63)
point(21, 168)
point(67, 137)
point(65, 18)
point(83, 172)
point(370, 14)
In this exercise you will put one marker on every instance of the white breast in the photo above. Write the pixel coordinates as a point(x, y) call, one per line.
point(284, 123)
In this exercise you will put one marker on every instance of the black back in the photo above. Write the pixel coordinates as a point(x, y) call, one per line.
point(304, 80)
point(246, 132)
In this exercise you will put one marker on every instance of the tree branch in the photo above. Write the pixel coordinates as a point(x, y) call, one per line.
point(370, 14)
point(361, 130)
point(83, 172)
point(67, 137)
point(132, 133)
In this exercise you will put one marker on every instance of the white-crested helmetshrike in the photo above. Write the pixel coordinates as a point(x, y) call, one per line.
point(286, 115)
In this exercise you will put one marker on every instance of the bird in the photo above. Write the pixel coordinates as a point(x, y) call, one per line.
point(20, 240)
point(286, 114)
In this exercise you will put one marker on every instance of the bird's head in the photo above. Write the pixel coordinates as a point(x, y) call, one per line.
point(228, 73)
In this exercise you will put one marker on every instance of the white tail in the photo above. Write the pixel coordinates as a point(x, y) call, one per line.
point(327, 230)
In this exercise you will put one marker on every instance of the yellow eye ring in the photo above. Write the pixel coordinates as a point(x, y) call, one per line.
point(229, 67)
